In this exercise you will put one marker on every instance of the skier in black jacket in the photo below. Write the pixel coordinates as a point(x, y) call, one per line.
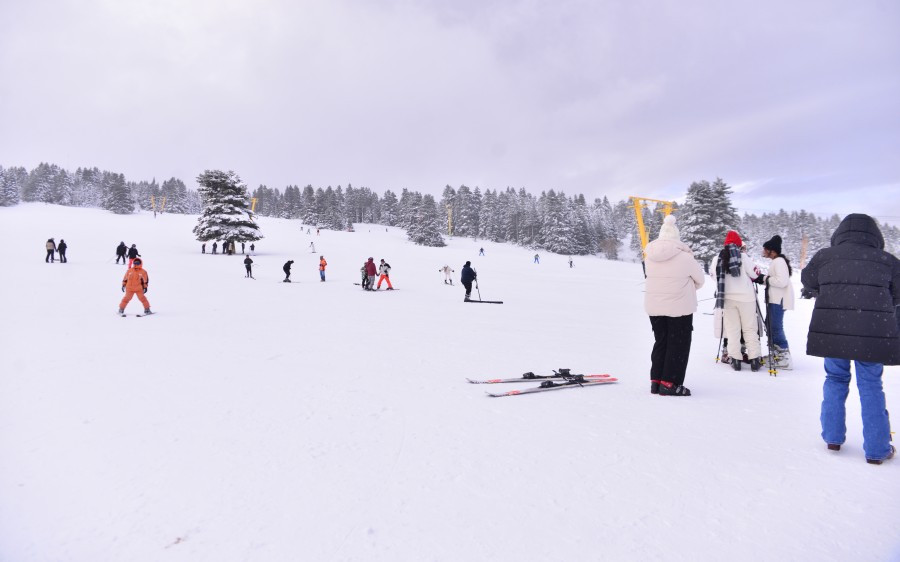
point(132, 254)
point(287, 270)
point(856, 318)
point(248, 263)
point(467, 275)
point(121, 250)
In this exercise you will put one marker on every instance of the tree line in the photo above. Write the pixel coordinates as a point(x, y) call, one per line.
point(552, 221)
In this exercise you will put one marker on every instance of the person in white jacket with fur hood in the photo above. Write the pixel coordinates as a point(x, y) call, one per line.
point(673, 277)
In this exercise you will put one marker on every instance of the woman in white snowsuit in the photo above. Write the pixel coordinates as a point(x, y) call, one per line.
point(673, 278)
point(735, 295)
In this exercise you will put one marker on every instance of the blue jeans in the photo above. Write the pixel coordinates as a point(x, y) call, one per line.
point(776, 324)
point(322, 274)
point(876, 424)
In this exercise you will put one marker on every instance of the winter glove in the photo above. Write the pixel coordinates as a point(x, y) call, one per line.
point(123, 288)
point(145, 290)
point(761, 279)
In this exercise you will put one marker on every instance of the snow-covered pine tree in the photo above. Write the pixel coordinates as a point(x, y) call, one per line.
point(226, 211)
point(556, 233)
point(390, 208)
point(117, 196)
point(175, 192)
point(11, 181)
point(425, 229)
point(704, 219)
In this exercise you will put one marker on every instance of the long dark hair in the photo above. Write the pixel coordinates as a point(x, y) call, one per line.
point(788, 262)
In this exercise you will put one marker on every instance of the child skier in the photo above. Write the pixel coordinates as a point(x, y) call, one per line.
point(135, 282)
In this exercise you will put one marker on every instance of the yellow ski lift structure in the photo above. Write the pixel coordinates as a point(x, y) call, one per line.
point(638, 203)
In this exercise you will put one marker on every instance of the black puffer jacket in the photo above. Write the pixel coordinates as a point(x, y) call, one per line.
point(858, 286)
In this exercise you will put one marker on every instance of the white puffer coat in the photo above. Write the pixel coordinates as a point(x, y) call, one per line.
point(781, 289)
point(673, 277)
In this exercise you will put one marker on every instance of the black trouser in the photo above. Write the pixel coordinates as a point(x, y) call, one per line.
point(122, 256)
point(672, 348)
point(49, 257)
point(62, 256)
point(468, 286)
point(249, 272)
point(287, 275)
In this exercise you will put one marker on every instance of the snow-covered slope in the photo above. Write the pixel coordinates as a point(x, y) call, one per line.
point(257, 420)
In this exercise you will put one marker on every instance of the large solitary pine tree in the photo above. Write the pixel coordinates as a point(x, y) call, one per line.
point(226, 211)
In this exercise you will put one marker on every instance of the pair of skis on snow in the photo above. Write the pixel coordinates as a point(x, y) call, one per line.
point(559, 380)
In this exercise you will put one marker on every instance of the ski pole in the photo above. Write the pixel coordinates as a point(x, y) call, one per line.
point(478, 289)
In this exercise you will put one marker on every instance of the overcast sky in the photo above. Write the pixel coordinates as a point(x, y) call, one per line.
point(796, 103)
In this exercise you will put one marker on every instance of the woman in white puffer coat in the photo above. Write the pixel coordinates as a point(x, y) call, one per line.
point(673, 277)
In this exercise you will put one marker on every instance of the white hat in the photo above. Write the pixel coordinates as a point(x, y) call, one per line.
point(668, 230)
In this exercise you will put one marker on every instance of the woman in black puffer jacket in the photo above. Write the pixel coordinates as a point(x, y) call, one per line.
point(855, 318)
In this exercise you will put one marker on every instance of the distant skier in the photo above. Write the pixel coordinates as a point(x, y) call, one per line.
point(322, 265)
point(252, 248)
point(242, 249)
point(135, 282)
point(132, 255)
point(62, 250)
point(537, 259)
point(448, 279)
point(570, 263)
point(317, 232)
point(248, 263)
point(231, 248)
point(312, 248)
point(467, 275)
point(287, 270)
point(51, 248)
point(203, 248)
point(371, 271)
point(121, 250)
point(481, 252)
point(384, 270)
point(214, 247)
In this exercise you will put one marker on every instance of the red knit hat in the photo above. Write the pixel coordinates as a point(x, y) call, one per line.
point(733, 238)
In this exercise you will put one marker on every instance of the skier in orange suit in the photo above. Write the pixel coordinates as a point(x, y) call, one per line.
point(135, 282)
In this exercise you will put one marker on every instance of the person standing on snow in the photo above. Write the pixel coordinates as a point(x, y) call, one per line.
point(673, 278)
point(62, 250)
point(132, 255)
point(736, 297)
point(322, 265)
point(248, 264)
point(287, 270)
point(448, 280)
point(467, 275)
point(365, 277)
point(312, 248)
point(384, 270)
point(51, 248)
point(537, 259)
point(135, 282)
point(121, 250)
point(856, 318)
point(214, 247)
point(252, 248)
point(371, 271)
point(780, 297)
